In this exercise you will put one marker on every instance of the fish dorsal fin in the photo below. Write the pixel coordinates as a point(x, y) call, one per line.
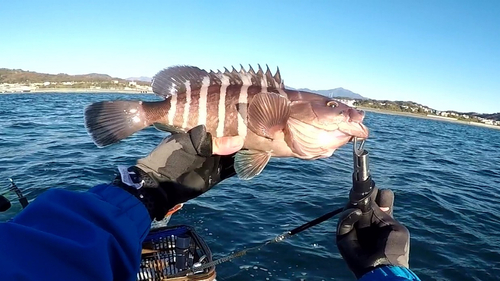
point(260, 78)
point(177, 79)
point(249, 77)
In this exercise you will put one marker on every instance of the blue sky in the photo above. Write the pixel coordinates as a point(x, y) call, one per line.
point(444, 54)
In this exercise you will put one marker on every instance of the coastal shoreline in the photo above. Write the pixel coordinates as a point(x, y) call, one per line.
point(79, 90)
point(437, 118)
point(369, 109)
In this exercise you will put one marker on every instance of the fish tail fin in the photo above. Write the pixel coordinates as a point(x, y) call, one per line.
point(108, 122)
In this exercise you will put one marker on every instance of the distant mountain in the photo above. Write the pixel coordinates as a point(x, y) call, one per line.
point(493, 116)
point(334, 93)
point(142, 78)
point(19, 76)
point(23, 76)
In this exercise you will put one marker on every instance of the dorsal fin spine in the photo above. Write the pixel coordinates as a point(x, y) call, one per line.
point(269, 77)
point(251, 71)
point(260, 70)
point(263, 81)
point(277, 76)
point(224, 80)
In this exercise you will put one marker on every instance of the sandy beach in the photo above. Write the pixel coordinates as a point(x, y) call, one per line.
point(438, 118)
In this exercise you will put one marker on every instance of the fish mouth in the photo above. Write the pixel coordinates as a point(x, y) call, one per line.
point(354, 129)
point(310, 140)
point(355, 126)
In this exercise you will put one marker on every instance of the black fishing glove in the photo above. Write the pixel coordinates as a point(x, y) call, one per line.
point(385, 242)
point(181, 168)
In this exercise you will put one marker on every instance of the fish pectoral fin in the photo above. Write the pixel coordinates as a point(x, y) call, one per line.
point(168, 128)
point(250, 163)
point(268, 114)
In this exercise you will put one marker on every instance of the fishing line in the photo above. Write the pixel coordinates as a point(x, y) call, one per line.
point(199, 267)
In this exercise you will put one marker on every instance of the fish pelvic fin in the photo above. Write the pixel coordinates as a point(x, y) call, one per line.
point(179, 79)
point(250, 163)
point(108, 122)
point(268, 114)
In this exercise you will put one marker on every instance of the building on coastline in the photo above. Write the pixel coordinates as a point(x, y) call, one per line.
point(24, 88)
point(349, 102)
point(15, 88)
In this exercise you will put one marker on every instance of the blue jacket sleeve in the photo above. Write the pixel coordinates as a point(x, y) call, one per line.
point(66, 235)
point(390, 273)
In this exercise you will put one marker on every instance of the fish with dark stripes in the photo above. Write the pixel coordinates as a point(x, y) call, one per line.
point(247, 112)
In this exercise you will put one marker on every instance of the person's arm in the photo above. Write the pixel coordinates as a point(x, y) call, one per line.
point(379, 252)
point(97, 235)
point(66, 235)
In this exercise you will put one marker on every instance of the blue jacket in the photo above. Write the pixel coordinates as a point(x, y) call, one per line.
point(94, 235)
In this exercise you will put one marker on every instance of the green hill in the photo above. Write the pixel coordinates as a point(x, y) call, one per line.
point(19, 76)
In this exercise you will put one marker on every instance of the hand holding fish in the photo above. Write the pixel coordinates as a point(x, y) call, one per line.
point(182, 167)
point(384, 242)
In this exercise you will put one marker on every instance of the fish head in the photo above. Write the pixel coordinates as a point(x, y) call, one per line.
point(330, 115)
point(319, 125)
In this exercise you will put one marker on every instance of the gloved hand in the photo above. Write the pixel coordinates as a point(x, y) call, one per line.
point(385, 242)
point(180, 168)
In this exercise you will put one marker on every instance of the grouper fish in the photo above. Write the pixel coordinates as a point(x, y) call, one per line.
point(250, 113)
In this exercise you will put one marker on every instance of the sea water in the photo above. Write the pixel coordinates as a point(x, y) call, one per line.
point(446, 178)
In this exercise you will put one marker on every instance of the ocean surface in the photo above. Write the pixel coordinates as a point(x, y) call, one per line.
point(446, 178)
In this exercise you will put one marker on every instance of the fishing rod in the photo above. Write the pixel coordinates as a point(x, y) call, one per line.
point(198, 267)
point(5, 203)
point(360, 196)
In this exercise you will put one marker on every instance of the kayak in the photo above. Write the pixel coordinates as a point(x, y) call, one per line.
point(169, 251)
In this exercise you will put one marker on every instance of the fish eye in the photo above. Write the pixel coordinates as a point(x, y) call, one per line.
point(332, 104)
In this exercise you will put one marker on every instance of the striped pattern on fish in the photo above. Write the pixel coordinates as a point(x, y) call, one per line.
point(214, 101)
point(250, 108)
point(221, 115)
